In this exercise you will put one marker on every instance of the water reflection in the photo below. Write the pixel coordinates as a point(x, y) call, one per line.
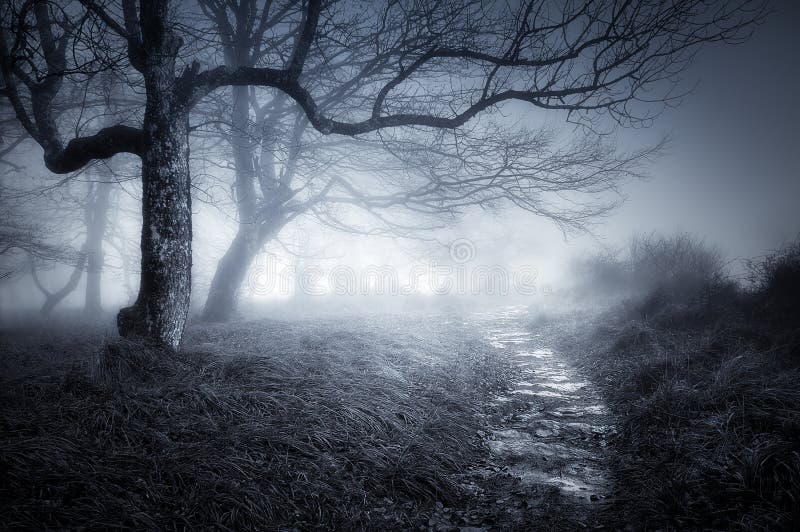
point(556, 437)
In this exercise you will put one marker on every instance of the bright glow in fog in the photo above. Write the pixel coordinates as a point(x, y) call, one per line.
point(729, 176)
point(378, 266)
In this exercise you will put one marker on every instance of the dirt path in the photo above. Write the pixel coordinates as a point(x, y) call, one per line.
point(547, 467)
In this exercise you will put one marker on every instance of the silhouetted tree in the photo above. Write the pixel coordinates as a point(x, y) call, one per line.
point(589, 59)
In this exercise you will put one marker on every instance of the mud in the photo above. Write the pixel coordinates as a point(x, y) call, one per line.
point(547, 467)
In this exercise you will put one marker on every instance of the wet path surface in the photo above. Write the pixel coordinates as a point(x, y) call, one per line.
point(551, 429)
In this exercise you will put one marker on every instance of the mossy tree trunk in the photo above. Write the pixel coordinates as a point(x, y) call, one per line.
point(161, 309)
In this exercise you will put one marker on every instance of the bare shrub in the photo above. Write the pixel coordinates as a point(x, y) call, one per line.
point(776, 278)
point(605, 273)
point(681, 263)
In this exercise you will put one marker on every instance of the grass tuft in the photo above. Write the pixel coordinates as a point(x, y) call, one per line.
point(704, 381)
point(261, 425)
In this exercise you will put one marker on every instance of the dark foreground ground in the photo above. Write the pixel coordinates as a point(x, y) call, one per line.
point(495, 421)
point(267, 424)
point(351, 423)
point(707, 400)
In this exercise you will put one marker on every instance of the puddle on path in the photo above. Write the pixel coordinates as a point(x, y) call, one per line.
point(556, 432)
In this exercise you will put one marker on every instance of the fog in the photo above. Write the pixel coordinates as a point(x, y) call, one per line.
point(445, 266)
point(728, 175)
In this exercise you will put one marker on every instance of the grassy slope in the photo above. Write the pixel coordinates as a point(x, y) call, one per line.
point(709, 408)
point(256, 425)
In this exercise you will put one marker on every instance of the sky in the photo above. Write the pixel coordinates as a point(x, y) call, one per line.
point(731, 173)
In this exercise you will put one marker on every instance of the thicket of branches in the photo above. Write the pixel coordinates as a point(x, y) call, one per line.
point(352, 69)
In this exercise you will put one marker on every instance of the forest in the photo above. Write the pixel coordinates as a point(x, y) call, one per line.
point(399, 265)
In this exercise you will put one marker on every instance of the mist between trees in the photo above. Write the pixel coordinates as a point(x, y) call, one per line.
point(268, 278)
point(389, 118)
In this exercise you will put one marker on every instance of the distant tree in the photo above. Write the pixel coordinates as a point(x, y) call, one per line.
point(73, 217)
point(51, 299)
point(677, 264)
point(18, 235)
point(26, 241)
point(284, 170)
point(96, 223)
point(417, 64)
point(72, 210)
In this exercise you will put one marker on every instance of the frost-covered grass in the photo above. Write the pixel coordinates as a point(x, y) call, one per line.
point(709, 432)
point(364, 423)
point(705, 386)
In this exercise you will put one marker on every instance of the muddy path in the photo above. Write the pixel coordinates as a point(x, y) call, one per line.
point(547, 467)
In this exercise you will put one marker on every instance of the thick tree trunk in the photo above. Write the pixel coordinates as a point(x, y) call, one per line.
point(229, 278)
point(233, 267)
point(230, 275)
point(97, 218)
point(162, 306)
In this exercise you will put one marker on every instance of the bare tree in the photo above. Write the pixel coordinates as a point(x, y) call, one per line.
point(589, 59)
point(406, 186)
point(64, 207)
point(52, 299)
point(96, 222)
point(433, 174)
point(20, 235)
point(72, 217)
point(28, 238)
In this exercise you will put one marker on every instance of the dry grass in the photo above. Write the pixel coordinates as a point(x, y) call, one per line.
point(705, 386)
point(264, 425)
